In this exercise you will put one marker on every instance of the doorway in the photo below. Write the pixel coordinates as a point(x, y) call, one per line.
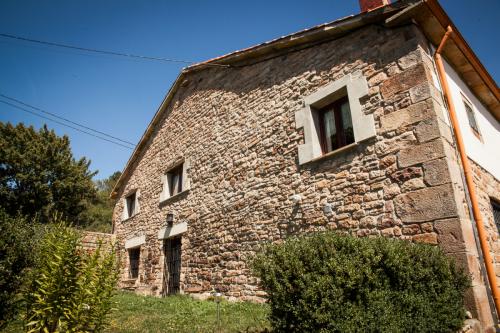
point(172, 266)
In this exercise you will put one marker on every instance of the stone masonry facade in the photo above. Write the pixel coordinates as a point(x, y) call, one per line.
point(488, 188)
point(236, 126)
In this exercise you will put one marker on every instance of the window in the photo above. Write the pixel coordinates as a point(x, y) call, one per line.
point(495, 207)
point(174, 178)
point(471, 117)
point(131, 205)
point(335, 125)
point(333, 117)
point(134, 258)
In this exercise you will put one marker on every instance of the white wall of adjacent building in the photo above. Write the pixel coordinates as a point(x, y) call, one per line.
point(485, 150)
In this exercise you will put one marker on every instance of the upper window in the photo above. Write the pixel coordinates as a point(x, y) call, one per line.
point(174, 179)
point(131, 205)
point(333, 117)
point(335, 126)
point(471, 117)
point(495, 206)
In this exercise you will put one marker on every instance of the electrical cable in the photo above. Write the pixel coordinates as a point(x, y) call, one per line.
point(120, 54)
point(65, 119)
point(63, 124)
point(94, 50)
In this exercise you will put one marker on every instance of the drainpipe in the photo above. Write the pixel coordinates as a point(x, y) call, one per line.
point(483, 241)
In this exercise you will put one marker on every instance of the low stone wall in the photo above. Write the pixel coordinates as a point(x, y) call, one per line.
point(91, 239)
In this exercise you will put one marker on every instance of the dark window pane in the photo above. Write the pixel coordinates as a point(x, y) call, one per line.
point(496, 213)
point(471, 117)
point(134, 257)
point(175, 180)
point(131, 205)
point(347, 123)
point(336, 129)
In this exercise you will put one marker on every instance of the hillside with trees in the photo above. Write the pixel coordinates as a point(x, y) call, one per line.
point(40, 177)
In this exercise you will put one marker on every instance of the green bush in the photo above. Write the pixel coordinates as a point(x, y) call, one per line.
point(71, 289)
point(17, 240)
point(337, 283)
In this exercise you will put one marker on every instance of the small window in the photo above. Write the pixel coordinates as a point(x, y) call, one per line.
point(174, 178)
point(471, 117)
point(134, 258)
point(495, 207)
point(131, 205)
point(332, 118)
point(175, 181)
point(335, 126)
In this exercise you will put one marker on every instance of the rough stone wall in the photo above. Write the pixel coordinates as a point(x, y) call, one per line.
point(237, 128)
point(91, 240)
point(488, 188)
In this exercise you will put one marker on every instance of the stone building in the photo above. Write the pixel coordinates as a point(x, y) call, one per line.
point(339, 127)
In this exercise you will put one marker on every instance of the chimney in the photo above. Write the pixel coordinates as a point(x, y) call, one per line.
point(367, 5)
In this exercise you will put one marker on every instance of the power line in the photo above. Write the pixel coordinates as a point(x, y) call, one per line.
point(95, 50)
point(63, 124)
point(120, 54)
point(65, 119)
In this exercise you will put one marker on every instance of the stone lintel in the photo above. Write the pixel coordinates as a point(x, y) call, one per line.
point(172, 231)
point(135, 242)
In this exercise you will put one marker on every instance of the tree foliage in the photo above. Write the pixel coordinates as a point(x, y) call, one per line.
point(71, 289)
point(39, 175)
point(100, 211)
point(17, 244)
point(334, 283)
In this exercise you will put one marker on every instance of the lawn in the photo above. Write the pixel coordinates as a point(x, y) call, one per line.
point(181, 314)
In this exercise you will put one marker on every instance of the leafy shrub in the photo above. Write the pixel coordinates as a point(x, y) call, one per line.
point(337, 283)
point(72, 289)
point(17, 240)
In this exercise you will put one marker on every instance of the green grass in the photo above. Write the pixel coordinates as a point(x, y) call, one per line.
point(180, 314)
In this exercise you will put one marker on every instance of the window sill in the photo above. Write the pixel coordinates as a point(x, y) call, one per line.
point(130, 217)
point(175, 197)
point(333, 153)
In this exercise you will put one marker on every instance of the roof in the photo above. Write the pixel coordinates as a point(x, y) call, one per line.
point(430, 16)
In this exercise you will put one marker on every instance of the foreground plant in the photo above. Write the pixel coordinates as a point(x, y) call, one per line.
point(71, 289)
point(337, 283)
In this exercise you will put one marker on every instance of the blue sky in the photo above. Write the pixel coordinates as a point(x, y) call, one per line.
point(118, 95)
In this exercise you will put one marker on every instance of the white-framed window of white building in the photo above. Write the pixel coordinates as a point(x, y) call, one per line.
point(471, 117)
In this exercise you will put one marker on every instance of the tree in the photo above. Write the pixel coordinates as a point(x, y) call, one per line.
point(101, 210)
point(39, 175)
point(17, 243)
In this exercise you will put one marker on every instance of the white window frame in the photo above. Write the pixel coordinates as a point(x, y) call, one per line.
point(467, 103)
point(354, 86)
point(125, 214)
point(165, 179)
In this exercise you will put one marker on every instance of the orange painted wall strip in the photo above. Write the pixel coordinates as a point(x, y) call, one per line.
point(483, 240)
